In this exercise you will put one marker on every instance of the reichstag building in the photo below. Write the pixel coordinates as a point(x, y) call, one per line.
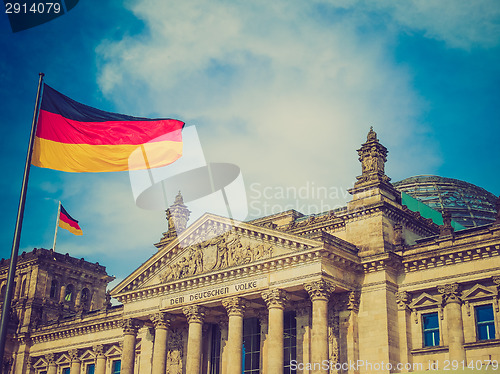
point(374, 287)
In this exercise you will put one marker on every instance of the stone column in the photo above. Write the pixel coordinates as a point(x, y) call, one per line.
point(100, 359)
point(403, 299)
point(235, 307)
point(195, 315)
point(75, 361)
point(319, 293)
point(62, 294)
point(453, 311)
point(275, 300)
point(130, 327)
point(161, 322)
point(51, 360)
point(29, 366)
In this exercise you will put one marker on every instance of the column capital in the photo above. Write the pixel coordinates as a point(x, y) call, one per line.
point(235, 306)
point(194, 313)
point(496, 280)
point(353, 300)
point(319, 290)
point(130, 326)
point(450, 292)
point(275, 298)
point(403, 299)
point(98, 350)
point(161, 320)
point(73, 354)
point(50, 358)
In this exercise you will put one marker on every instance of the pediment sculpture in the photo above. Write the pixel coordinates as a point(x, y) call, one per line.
point(223, 251)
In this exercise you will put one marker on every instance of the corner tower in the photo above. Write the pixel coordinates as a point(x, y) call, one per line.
point(376, 222)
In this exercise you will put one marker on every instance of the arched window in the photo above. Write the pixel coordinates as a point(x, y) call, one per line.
point(85, 298)
point(23, 288)
point(54, 287)
point(69, 293)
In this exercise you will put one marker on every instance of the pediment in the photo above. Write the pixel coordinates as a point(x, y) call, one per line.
point(211, 244)
point(424, 300)
point(40, 363)
point(87, 355)
point(113, 351)
point(63, 359)
point(478, 292)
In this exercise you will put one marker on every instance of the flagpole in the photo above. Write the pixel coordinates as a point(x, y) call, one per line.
point(4, 324)
point(57, 225)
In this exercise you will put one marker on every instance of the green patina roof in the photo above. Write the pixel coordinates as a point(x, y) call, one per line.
point(427, 212)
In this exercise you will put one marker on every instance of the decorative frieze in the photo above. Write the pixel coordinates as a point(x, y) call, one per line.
point(194, 313)
point(226, 250)
point(275, 298)
point(235, 306)
point(319, 290)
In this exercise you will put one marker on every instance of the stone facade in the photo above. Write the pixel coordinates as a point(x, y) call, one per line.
point(373, 287)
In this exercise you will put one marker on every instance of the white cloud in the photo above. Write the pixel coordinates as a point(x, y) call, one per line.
point(275, 89)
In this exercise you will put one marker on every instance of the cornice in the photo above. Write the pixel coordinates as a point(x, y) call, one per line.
point(383, 261)
point(75, 328)
point(447, 256)
point(262, 267)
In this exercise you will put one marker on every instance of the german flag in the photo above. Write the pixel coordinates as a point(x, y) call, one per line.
point(74, 137)
point(69, 223)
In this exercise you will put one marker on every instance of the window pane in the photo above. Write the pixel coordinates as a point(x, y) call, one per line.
point(90, 369)
point(430, 327)
point(485, 322)
point(430, 321)
point(116, 367)
point(484, 313)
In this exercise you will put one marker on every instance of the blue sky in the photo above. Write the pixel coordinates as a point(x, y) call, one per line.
point(287, 91)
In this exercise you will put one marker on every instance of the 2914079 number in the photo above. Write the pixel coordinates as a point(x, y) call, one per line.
point(36, 8)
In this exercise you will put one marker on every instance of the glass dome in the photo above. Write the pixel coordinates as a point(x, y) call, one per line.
point(468, 204)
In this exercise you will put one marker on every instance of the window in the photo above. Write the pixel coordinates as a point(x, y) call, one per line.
point(430, 325)
point(23, 288)
point(251, 346)
point(215, 351)
point(485, 322)
point(66, 371)
point(53, 289)
point(115, 368)
point(90, 369)
point(68, 296)
point(289, 341)
point(85, 298)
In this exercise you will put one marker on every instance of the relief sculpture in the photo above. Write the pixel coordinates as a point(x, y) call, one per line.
point(228, 250)
point(174, 356)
